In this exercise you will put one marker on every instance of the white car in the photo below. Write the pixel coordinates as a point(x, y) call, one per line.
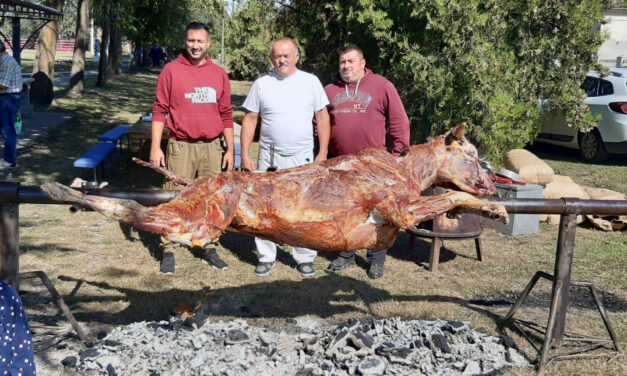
point(607, 97)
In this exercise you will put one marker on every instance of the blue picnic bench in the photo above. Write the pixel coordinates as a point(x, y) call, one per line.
point(94, 157)
point(114, 135)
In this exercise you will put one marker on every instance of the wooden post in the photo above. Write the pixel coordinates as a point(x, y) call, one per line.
point(9, 234)
point(9, 243)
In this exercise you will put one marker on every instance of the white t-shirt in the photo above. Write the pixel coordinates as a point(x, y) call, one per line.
point(286, 106)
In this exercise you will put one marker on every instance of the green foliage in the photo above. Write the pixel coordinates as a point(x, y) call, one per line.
point(66, 28)
point(211, 13)
point(145, 22)
point(250, 35)
point(483, 62)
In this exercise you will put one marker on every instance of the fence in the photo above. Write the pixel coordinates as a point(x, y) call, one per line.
point(63, 45)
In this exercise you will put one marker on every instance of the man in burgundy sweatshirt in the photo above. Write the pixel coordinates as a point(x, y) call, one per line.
point(195, 96)
point(365, 111)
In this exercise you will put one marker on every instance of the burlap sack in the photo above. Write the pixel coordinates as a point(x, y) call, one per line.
point(531, 169)
point(561, 187)
point(562, 179)
point(607, 223)
point(604, 194)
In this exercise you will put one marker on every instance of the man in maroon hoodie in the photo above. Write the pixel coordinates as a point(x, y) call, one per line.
point(365, 111)
point(195, 96)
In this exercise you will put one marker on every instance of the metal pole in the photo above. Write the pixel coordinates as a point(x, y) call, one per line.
point(222, 47)
point(58, 299)
point(17, 43)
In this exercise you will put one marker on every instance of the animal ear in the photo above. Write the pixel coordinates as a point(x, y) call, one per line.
point(458, 131)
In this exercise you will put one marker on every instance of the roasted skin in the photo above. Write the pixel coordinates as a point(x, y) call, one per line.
point(346, 203)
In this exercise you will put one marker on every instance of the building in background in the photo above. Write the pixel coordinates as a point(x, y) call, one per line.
point(613, 51)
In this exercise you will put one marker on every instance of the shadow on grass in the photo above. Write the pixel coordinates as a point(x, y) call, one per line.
point(578, 297)
point(334, 294)
point(323, 297)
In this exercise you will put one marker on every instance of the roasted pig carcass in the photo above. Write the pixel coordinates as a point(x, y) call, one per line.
point(346, 203)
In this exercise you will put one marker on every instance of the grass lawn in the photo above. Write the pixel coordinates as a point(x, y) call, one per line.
point(62, 63)
point(109, 273)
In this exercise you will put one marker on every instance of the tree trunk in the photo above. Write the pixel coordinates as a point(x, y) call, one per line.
point(104, 47)
point(43, 70)
point(115, 45)
point(80, 46)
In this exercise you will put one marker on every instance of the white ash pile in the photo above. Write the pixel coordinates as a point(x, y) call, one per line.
point(375, 347)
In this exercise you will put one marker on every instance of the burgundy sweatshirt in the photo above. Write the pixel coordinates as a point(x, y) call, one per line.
point(359, 120)
point(197, 100)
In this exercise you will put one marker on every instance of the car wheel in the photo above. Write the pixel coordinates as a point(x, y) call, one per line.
point(591, 146)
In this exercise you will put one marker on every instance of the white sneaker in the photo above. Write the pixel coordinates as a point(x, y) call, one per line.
point(4, 164)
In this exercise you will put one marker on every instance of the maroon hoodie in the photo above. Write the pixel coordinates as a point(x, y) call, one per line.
point(197, 100)
point(359, 120)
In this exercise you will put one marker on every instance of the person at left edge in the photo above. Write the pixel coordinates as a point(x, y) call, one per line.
point(10, 102)
point(16, 341)
point(195, 96)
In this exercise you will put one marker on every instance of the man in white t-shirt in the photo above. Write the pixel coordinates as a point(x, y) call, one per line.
point(287, 100)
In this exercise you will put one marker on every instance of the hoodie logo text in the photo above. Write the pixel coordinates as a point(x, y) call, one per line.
point(202, 95)
point(360, 100)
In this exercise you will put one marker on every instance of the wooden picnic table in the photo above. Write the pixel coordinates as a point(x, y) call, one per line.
point(141, 131)
point(142, 128)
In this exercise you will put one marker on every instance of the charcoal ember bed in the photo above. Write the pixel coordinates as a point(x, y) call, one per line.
point(359, 347)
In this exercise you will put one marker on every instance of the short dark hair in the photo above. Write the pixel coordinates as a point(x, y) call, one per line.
point(352, 47)
point(2, 46)
point(197, 26)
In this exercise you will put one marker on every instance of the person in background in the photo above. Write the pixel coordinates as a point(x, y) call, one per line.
point(287, 101)
point(155, 55)
point(195, 96)
point(16, 341)
point(10, 102)
point(366, 111)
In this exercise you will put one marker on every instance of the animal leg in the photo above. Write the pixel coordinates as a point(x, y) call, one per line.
point(427, 207)
point(167, 173)
point(194, 219)
point(128, 211)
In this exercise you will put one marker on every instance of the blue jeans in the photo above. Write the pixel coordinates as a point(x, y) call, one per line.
point(9, 107)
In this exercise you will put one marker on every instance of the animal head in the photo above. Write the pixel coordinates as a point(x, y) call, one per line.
point(457, 164)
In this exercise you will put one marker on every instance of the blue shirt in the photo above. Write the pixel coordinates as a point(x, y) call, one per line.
point(10, 74)
point(16, 342)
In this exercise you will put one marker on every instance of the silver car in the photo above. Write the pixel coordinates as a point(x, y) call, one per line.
point(607, 97)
